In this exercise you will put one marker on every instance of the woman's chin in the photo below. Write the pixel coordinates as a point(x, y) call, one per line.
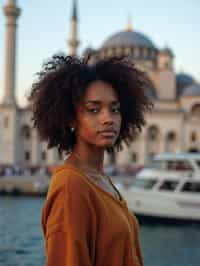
point(107, 144)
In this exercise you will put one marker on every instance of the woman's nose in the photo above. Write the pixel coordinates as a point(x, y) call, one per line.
point(107, 118)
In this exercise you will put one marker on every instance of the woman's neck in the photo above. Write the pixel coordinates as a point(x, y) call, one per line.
point(89, 158)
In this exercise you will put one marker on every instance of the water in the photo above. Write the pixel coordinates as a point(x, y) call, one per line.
point(21, 242)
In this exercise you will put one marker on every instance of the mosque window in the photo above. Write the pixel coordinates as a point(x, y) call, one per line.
point(195, 111)
point(145, 52)
point(6, 122)
point(153, 133)
point(136, 52)
point(134, 157)
point(193, 136)
point(171, 136)
point(27, 155)
point(43, 156)
point(26, 132)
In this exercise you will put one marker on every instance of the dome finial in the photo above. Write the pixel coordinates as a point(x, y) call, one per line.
point(129, 23)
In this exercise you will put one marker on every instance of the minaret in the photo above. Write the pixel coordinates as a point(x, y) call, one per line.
point(73, 41)
point(129, 24)
point(11, 12)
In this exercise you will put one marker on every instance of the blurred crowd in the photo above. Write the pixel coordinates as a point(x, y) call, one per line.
point(24, 170)
point(128, 170)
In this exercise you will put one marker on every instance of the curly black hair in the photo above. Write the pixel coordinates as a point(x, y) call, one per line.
point(61, 85)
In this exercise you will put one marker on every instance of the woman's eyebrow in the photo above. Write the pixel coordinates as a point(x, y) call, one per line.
point(92, 101)
point(99, 102)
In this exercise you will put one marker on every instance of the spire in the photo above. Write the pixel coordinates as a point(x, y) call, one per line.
point(11, 2)
point(129, 24)
point(11, 12)
point(74, 16)
point(73, 40)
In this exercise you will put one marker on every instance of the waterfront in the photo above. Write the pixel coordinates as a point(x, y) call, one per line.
point(21, 242)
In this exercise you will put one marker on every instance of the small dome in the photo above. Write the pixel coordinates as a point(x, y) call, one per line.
point(192, 90)
point(182, 81)
point(127, 39)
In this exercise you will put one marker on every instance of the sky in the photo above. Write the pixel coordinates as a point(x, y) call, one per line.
point(44, 28)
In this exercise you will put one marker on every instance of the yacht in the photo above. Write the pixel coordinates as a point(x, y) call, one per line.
point(168, 188)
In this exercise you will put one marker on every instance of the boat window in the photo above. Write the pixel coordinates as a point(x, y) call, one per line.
point(144, 183)
point(161, 165)
point(168, 185)
point(180, 165)
point(198, 163)
point(191, 187)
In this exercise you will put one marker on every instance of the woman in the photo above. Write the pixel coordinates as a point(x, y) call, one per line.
point(84, 111)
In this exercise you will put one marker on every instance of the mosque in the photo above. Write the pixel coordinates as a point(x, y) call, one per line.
point(172, 126)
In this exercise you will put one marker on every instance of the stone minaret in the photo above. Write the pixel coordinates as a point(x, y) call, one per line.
point(129, 24)
point(73, 40)
point(11, 12)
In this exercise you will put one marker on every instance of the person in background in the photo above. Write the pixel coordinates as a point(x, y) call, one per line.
point(84, 111)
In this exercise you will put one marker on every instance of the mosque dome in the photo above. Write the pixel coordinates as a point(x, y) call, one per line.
point(183, 80)
point(192, 90)
point(128, 38)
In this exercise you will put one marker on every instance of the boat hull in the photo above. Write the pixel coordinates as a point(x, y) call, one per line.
point(161, 206)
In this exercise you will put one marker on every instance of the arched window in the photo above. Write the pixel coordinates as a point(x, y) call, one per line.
point(43, 155)
point(134, 157)
point(153, 141)
point(171, 136)
point(6, 122)
point(193, 136)
point(171, 142)
point(152, 133)
point(195, 111)
point(25, 132)
point(27, 156)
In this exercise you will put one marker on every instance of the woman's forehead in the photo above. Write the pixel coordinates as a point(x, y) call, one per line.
point(100, 91)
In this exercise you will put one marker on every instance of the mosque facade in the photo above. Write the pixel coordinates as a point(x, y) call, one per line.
point(172, 126)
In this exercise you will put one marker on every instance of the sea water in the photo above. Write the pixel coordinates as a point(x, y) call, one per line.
point(21, 241)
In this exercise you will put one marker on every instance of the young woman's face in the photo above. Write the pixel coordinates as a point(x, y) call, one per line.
point(98, 116)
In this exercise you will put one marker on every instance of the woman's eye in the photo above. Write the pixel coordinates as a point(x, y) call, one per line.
point(93, 110)
point(116, 110)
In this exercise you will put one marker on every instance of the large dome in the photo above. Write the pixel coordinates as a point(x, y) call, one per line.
point(127, 39)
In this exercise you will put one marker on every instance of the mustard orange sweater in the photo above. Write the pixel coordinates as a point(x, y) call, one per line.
point(83, 225)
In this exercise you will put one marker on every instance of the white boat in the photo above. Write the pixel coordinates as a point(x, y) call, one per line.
point(169, 188)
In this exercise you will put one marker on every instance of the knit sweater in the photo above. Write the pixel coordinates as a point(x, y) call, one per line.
point(84, 225)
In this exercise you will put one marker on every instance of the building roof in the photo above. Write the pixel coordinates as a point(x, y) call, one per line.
point(128, 38)
point(192, 90)
point(183, 80)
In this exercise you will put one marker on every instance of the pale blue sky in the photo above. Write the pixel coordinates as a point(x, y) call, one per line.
point(43, 29)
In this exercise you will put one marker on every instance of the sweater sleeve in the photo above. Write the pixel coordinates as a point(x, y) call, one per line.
point(68, 224)
point(135, 226)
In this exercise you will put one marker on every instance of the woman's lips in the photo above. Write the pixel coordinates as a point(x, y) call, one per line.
point(108, 133)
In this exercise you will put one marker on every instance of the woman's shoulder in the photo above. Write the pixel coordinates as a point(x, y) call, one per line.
point(68, 177)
